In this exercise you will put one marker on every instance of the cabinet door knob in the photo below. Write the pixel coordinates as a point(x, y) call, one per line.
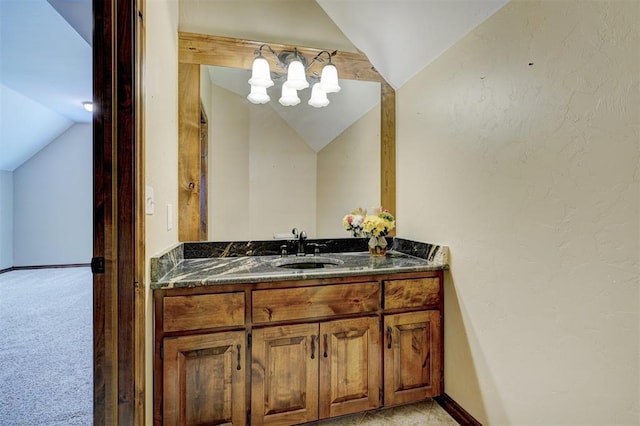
point(239, 348)
point(389, 337)
point(313, 346)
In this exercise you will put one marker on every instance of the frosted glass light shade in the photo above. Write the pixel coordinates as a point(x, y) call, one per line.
point(318, 97)
point(296, 78)
point(329, 79)
point(289, 96)
point(260, 73)
point(258, 95)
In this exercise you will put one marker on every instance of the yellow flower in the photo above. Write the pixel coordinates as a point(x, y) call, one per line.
point(377, 225)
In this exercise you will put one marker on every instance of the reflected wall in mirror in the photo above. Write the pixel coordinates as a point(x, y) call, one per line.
point(271, 168)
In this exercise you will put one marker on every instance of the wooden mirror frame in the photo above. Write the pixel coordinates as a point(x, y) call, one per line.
point(201, 49)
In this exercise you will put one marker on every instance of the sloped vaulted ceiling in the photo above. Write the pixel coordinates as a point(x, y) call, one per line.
point(45, 75)
point(45, 52)
point(401, 37)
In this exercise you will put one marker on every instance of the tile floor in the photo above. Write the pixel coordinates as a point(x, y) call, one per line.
point(420, 414)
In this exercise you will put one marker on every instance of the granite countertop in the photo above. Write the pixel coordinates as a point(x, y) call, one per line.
point(250, 269)
point(215, 263)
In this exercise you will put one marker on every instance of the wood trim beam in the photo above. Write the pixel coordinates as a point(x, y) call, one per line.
point(454, 409)
point(199, 49)
point(189, 152)
point(388, 150)
point(140, 317)
point(104, 294)
point(236, 53)
point(119, 303)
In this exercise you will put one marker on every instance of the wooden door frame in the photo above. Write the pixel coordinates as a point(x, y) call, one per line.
point(118, 243)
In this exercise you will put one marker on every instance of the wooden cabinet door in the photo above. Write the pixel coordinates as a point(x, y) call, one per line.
point(349, 366)
point(205, 379)
point(412, 357)
point(284, 375)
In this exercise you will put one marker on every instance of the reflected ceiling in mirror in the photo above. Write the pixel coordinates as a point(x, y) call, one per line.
point(316, 126)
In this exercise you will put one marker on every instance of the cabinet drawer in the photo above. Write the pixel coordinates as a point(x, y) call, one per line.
point(314, 302)
point(203, 311)
point(420, 292)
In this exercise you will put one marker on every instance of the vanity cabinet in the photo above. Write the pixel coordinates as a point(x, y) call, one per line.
point(413, 340)
point(350, 366)
point(205, 379)
point(411, 361)
point(292, 352)
point(284, 375)
point(304, 372)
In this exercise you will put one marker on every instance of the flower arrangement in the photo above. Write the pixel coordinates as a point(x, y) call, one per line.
point(379, 224)
point(353, 222)
point(375, 227)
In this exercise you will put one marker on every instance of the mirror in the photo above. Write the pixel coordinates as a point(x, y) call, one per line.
point(271, 170)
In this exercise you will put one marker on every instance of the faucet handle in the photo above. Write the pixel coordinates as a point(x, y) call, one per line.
point(316, 248)
point(283, 250)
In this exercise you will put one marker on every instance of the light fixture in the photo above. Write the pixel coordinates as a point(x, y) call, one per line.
point(329, 79)
point(296, 67)
point(289, 95)
point(258, 95)
point(260, 74)
point(318, 96)
point(88, 106)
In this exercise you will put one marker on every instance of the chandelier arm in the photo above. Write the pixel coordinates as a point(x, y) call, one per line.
point(319, 59)
point(258, 52)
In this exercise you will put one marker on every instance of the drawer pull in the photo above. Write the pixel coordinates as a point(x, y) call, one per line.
point(313, 346)
point(326, 345)
point(389, 336)
point(239, 348)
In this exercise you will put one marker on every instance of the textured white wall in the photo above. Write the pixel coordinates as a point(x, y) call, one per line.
point(286, 178)
point(161, 121)
point(6, 219)
point(229, 148)
point(349, 174)
point(53, 202)
point(519, 148)
point(161, 146)
point(282, 177)
point(262, 175)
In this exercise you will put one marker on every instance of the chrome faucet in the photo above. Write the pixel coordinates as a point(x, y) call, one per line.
point(302, 236)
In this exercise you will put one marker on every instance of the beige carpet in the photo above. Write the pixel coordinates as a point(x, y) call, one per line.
point(46, 347)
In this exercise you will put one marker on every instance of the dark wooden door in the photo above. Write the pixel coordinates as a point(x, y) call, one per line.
point(118, 242)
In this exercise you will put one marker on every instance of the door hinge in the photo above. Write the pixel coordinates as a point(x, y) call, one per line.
point(97, 265)
point(162, 352)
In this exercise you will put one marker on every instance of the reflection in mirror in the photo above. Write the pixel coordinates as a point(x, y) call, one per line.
point(272, 168)
point(264, 197)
